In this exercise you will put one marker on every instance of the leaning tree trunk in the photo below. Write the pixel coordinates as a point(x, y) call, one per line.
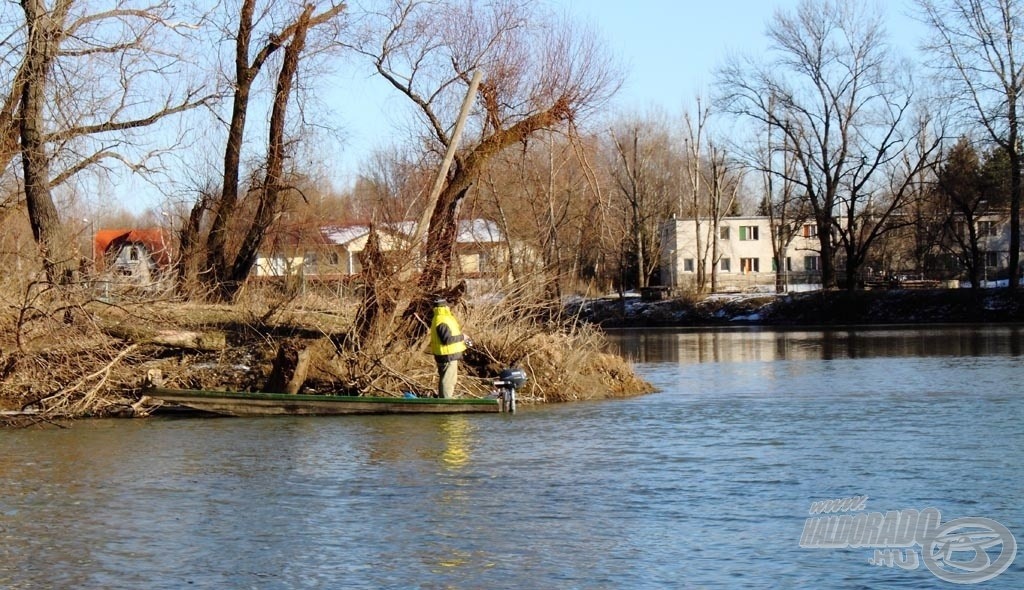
point(443, 226)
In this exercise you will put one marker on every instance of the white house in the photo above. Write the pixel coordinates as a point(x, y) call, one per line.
point(332, 252)
point(741, 254)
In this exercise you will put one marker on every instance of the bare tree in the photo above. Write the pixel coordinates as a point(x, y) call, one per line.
point(390, 185)
point(643, 173)
point(873, 204)
point(274, 183)
point(545, 195)
point(712, 184)
point(537, 75)
point(76, 95)
point(785, 210)
point(837, 93)
point(227, 270)
point(975, 43)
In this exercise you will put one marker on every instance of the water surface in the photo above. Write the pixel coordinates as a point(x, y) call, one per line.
point(705, 484)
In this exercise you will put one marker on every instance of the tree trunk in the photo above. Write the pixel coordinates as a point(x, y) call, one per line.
point(1015, 197)
point(189, 243)
point(974, 270)
point(714, 253)
point(269, 203)
point(216, 244)
point(289, 370)
point(700, 258)
point(441, 240)
point(827, 259)
point(45, 221)
point(226, 272)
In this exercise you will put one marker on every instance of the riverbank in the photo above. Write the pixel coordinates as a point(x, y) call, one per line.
point(91, 361)
point(90, 358)
point(820, 308)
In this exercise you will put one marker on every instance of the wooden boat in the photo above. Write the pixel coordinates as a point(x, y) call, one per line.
point(229, 403)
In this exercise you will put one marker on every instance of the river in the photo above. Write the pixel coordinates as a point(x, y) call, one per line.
point(709, 483)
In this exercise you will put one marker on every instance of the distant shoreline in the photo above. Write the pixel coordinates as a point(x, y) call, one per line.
point(818, 308)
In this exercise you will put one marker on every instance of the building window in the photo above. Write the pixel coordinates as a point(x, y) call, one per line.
point(309, 263)
point(470, 263)
point(812, 262)
point(987, 228)
point(775, 264)
point(688, 265)
point(749, 265)
point(809, 230)
point(748, 233)
point(725, 265)
point(991, 259)
point(723, 233)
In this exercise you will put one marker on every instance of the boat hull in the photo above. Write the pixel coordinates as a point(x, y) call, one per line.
point(228, 403)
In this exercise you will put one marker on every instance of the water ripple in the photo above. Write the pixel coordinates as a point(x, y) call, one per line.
point(706, 484)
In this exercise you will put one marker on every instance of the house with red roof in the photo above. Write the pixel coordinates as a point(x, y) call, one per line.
point(134, 256)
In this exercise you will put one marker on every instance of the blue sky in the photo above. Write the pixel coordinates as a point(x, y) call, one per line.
point(669, 49)
point(672, 47)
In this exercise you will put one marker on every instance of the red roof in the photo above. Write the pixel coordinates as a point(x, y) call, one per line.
point(112, 240)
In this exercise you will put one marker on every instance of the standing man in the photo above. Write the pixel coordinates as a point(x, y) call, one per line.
point(447, 343)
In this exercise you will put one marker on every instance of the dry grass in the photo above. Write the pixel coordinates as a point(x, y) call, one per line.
point(55, 355)
point(564, 360)
point(76, 352)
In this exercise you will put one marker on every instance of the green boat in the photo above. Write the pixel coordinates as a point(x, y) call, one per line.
point(233, 403)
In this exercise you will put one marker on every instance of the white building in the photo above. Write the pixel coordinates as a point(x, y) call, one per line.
point(742, 256)
point(331, 254)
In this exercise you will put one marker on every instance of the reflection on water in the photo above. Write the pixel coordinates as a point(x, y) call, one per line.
point(759, 344)
point(456, 432)
point(706, 484)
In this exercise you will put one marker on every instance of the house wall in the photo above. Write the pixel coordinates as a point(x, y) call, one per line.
point(994, 240)
point(480, 253)
point(679, 253)
point(278, 266)
point(744, 254)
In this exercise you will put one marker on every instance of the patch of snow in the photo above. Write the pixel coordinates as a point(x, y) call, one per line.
point(205, 366)
point(740, 296)
point(754, 317)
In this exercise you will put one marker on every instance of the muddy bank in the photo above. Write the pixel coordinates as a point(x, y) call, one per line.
point(822, 308)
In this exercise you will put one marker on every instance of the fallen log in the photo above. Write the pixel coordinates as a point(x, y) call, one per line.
point(203, 341)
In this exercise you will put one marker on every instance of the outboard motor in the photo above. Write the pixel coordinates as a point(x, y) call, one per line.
point(505, 386)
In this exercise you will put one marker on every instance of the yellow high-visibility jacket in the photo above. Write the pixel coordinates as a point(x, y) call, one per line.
point(447, 342)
